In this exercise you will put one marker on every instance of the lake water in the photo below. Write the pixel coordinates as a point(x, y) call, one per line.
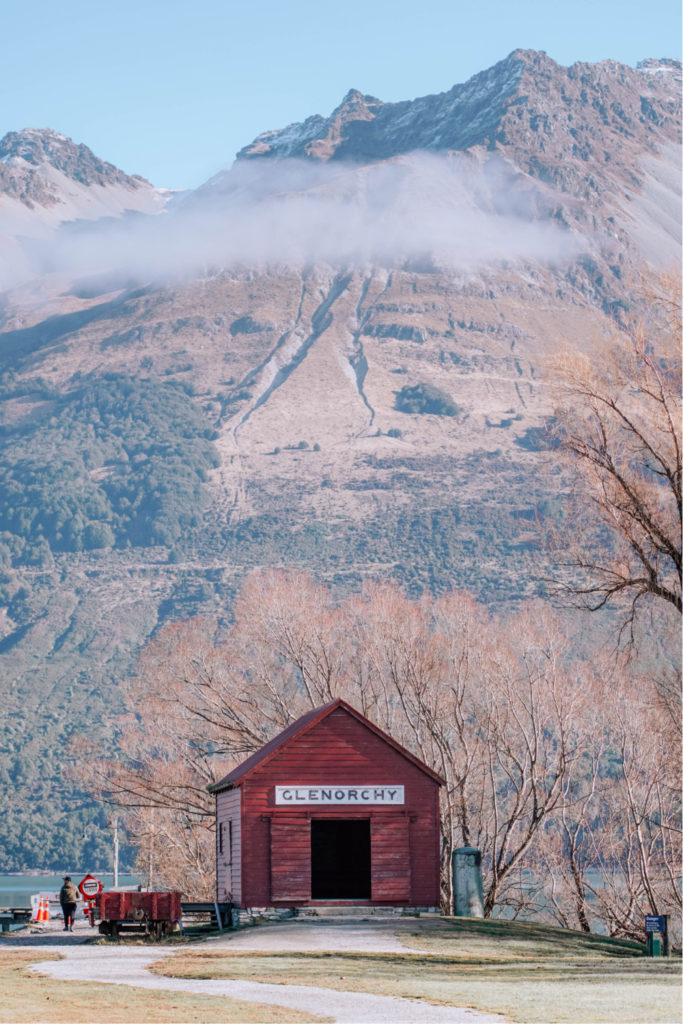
point(16, 890)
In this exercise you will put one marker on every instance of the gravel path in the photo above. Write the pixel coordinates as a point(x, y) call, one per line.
point(50, 934)
point(127, 965)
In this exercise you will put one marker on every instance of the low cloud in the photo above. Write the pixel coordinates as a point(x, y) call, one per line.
point(449, 211)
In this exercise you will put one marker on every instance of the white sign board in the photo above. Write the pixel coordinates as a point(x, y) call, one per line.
point(350, 795)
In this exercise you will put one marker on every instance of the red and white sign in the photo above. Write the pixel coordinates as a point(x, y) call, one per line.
point(90, 887)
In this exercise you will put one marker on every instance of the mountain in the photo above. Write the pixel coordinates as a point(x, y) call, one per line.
point(47, 180)
point(526, 102)
point(329, 356)
point(593, 132)
point(41, 168)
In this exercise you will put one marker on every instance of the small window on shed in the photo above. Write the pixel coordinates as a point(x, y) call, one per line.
point(220, 837)
point(230, 841)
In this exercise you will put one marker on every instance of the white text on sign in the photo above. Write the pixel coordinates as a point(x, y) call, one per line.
point(339, 795)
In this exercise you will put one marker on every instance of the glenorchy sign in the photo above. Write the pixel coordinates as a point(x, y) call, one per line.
point(339, 794)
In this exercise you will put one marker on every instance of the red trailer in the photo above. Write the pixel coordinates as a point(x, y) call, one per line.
point(154, 913)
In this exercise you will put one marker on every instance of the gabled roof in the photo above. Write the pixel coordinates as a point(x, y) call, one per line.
point(301, 726)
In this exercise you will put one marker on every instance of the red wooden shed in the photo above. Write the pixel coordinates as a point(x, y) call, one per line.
point(332, 811)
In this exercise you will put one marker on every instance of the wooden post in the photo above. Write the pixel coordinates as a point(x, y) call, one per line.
point(115, 827)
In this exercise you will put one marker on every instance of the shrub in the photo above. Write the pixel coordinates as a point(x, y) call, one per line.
point(425, 398)
point(98, 535)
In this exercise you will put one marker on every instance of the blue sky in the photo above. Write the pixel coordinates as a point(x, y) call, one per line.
point(172, 90)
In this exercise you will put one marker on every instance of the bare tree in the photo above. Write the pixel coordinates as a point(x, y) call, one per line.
point(177, 719)
point(535, 776)
point(637, 840)
point(415, 668)
point(487, 705)
point(531, 715)
point(613, 852)
point(288, 630)
point(619, 430)
point(201, 702)
point(564, 855)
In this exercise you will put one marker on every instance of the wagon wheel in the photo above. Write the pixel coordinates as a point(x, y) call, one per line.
point(104, 928)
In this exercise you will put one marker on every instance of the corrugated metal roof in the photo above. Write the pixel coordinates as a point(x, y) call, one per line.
point(301, 725)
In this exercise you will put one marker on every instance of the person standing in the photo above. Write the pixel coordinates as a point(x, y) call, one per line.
point(68, 897)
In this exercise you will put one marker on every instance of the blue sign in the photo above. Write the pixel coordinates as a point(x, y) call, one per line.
point(655, 923)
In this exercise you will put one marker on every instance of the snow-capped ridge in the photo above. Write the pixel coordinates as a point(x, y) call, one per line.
point(363, 127)
point(44, 147)
point(525, 93)
point(660, 66)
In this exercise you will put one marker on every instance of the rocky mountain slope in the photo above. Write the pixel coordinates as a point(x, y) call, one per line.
point(331, 356)
point(29, 159)
point(525, 102)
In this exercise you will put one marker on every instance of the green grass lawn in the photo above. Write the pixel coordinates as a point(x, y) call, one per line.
point(532, 974)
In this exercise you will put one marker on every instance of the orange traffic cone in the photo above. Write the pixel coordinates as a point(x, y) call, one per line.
point(46, 911)
point(43, 912)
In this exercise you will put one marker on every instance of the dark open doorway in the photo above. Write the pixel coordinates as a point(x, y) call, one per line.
point(340, 859)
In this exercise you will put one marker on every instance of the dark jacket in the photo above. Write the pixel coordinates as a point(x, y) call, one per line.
point(68, 893)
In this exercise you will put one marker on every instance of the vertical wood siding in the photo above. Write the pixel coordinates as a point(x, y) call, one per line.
point(390, 853)
point(290, 859)
point(229, 861)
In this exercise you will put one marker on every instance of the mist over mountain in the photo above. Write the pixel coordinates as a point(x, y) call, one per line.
point(454, 213)
point(329, 356)
point(483, 173)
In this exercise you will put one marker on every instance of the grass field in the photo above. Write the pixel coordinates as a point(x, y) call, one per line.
point(530, 973)
point(28, 998)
